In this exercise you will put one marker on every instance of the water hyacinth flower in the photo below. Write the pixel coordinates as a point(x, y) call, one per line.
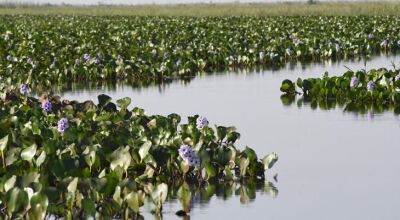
point(46, 105)
point(296, 42)
point(100, 55)
point(397, 77)
point(24, 89)
point(371, 36)
point(77, 62)
point(96, 61)
point(62, 125)
point(261, 55)
point(370, 86)
point(86, 57)
point(201, 122)
point(10, 58)
point(188, 155)
point(354, 82)
point(384, 42)
point(165, 56)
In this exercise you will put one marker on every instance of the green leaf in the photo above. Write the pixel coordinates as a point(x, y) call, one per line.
point(210, 170)
point(73, 185)
point(144, 149)
point(121, 157)
point(244, 163)
point(3, 143)
point(10, 183)
point(40, 159)
point(184, 196)
point(132, 200)
point(16, 200)
point(104, 100)
point(124, 102)
point(270, 160)
point(89, 207)
point(160, 193)
point(29, 152)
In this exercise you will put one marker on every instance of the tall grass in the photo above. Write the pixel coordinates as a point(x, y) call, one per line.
point(283, 9)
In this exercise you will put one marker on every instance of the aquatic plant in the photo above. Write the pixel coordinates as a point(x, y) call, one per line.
point(106, 158)
point(377, 86)
point(184, 46)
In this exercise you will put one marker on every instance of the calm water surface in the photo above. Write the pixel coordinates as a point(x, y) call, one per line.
point(332, 165)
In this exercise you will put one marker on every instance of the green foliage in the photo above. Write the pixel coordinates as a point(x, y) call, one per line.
point(327, 92)
point(44, 49)
point(109, 157)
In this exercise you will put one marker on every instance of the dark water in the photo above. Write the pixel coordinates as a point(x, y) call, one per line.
point(332, 165)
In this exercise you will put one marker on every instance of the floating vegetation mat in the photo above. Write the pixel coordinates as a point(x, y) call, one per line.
point(78, 159)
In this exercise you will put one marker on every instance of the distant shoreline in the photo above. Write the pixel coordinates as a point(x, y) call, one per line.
point(210, 9)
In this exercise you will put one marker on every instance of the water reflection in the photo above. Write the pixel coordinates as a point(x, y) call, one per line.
point(185, 197)
point(163, 85)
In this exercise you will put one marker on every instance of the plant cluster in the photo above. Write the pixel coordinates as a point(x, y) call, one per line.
point(76, 159)
point(377, 87)
point(60, 49)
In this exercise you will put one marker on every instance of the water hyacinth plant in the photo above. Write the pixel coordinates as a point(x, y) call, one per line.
point(377, 86)
point(112, 157)
point(271, 41)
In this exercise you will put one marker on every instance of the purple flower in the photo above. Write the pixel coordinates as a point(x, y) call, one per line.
point(77, 62)
point(46, 105)
point(62, 125)
point(397, 77)
point(261, 55)
point(370, 86)
point(166, 56)
point(96, 61)
point(354, 82)
point(371, 36)
point(24, 89)
point(188, 155)
point(10, 58)
point(201, 122)
point(384, 42)
point(296, 42)
point(100, 55)
point(86, 57)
